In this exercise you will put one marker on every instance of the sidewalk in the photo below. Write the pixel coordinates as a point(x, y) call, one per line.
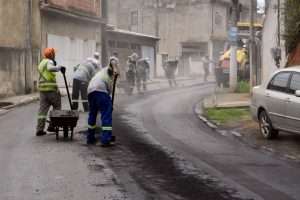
point(154, 84)
point(14, 101)
point(221, 99)
point(227, 100)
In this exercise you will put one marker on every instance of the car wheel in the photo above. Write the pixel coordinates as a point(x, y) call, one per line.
point(265, 126)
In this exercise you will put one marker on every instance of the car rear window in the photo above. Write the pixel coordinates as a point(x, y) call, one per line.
point(279, 82)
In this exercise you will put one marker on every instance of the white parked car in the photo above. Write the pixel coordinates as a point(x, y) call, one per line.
point(276, 103)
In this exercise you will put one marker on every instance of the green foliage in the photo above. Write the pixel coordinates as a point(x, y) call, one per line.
point(225, 115)
point(243, 87)
point(292, 24)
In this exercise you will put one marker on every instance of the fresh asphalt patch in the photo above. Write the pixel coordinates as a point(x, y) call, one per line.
point(149, 171)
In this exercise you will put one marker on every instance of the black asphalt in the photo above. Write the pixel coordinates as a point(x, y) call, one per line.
point(163, 151)
point(159, 136)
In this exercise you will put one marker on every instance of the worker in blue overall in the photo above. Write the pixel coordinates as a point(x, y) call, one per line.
point(99, 90)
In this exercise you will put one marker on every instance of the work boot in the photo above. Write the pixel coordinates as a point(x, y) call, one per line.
point(91, 140)
point(40, 133)
point(113, 138)
point(106, 145)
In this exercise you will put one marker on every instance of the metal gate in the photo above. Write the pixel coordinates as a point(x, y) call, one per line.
point(69, 53)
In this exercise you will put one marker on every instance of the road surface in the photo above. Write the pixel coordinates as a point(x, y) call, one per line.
point(163, 151)
point(175, 151)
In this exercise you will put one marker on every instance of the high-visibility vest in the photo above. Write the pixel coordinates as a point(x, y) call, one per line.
point(47, 80)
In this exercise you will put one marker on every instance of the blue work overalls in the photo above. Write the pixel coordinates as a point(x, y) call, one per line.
point(100, 102)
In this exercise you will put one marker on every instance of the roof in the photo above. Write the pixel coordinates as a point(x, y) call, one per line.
point(126, 32)
point(295, 68)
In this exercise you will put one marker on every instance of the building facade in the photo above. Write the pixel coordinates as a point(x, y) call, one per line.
point(125, 43)
point(72, 27)
point(188, 29)
point(272, 38)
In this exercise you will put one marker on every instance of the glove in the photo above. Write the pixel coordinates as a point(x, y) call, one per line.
point(63, 69)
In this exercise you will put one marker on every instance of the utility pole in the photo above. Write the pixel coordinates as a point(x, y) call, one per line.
point(253, 65)
point(156, 33)
point(233, 49)
point(28, 44)
point(104, 12)
point(157, 19)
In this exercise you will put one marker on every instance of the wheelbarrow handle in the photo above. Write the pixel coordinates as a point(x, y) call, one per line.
point(66, 84)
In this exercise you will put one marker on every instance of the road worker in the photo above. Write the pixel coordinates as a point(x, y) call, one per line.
point(81, 79)
point(170, 67)
point(142, 70)
point(131, 72)
point(99, 90)
point(96, 58)
point(49, 93)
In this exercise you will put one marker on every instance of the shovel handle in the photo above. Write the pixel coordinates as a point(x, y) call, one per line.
point(114, 88)
point(69, 97)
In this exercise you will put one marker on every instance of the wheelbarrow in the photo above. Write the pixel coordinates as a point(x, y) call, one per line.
point(64, 120)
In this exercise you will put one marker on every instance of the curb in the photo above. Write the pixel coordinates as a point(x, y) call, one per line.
point(21, 103)
point(198, 111)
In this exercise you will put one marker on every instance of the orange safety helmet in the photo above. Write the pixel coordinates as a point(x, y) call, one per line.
point(49, 53)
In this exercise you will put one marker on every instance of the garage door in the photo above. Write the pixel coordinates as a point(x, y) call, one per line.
point(70, 52)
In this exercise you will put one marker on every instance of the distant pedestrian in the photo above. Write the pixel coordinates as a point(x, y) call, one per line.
point(115, 56)
point(131, 72)
point(49, 93)
point(141, 74)
point(170, 67)
point(81, 79)
point(97, 60)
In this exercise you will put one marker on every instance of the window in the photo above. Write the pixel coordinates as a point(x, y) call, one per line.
point(111, 44)
point(134, 18)
point(295, 83)
point(134, 46)
point(279, 82)
point(122, 45)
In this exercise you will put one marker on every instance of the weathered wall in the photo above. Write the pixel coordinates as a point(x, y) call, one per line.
point(179, 21)
point(12, 23)
point(88, 6)
point(20, 55)
point(269, 41)
point(64, 26)
point(12, 70)
point(13, 60)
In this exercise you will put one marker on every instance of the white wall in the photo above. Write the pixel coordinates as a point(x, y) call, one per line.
point(70, 52)
point(269, 41)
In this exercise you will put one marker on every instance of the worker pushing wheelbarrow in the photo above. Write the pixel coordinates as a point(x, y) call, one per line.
point(65, 120)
